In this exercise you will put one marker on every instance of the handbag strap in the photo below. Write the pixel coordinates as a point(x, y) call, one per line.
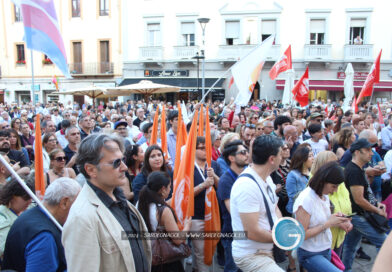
point(271, 222)
point(160, 209)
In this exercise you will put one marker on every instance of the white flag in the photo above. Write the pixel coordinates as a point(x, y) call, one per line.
point(247, 70)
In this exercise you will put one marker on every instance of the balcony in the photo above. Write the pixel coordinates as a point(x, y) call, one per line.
point(184, 52)
point(317, 52)
point(236, 52)
point(91, 69)
point(358, 53)
point(151, 53)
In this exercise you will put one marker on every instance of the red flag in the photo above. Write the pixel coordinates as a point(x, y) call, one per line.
point(39, 161)
point(283, 64)
point(301, 89)
point(163, 133)
point(354, 105)
point(154, 134)
point(201, 122)
point(211, 210)
point(380, 118)
point(183, 192)
point(181, 141)
point(231, 82)
point(373, 77)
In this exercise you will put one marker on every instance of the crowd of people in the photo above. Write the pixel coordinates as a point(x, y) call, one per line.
point(328, 168)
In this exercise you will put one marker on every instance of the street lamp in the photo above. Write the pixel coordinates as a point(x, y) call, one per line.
point(198, 58)
point(203, 22)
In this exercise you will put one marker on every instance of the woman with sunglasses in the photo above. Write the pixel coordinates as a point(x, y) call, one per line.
point(15, 124)
point(13, 201)
point(134, 157)
point(49, 142)
point(154, 160)
point(57, 167)
point(15, 144)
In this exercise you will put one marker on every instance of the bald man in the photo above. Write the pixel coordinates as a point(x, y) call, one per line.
point(290, 134)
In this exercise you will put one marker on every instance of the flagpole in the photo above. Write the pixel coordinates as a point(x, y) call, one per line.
point(29, 192)
point(213, 85)
point(32, 77)
point(371, 97)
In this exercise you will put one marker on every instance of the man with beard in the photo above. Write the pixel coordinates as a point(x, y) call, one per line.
point(279, 124)
point(17, 158)
point(236, 156)
point(248, 134)
point(72, 134)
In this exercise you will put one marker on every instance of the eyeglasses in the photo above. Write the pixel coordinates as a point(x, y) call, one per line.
point(60, 159)
point(242, 152)
point(319, 120)
point(116, 163)
point(250, 126)
point(201, 148)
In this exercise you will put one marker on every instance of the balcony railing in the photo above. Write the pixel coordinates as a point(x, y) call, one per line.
point(151, 53)
point(236, 52)
point(96, 68)
point(185, 52)
point(356, 52)
point(317, 52)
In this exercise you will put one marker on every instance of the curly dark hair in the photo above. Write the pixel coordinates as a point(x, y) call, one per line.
point(13, 188)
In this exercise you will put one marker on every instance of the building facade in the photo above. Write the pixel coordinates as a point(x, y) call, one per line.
point(91, 31)
point(163, 41)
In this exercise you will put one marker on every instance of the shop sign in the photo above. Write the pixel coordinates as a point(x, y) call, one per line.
point(357, 75)
point(166, 73)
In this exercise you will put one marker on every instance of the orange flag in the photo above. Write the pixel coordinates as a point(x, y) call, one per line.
point(208, 139)
point(201, 122)
point(183, 194)
point(163, 133)
point(154, 135)
point(39, 161)
point(211, 210)
point(181, 141)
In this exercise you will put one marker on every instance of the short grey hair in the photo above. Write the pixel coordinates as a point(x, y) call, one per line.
point(214, 135)
point(90, 149)
point(68, 130)
point(59, 189)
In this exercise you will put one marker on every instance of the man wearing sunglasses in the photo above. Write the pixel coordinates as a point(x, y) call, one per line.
point(236, 155)
point(103, 229)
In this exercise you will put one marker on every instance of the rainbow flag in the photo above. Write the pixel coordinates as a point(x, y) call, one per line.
point(42, 32)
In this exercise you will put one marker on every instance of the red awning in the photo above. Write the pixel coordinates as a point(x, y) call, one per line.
point(338, 85)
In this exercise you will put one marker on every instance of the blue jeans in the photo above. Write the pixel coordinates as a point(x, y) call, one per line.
point(361, 227)
point(230, 266)
point(316, 261)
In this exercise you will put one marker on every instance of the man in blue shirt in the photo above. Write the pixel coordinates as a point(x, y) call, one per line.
point(386, 136)
point(34, 241)
point(171, 136)
point(236, 156)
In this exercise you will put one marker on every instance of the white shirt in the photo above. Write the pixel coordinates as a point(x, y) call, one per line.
point(61, 138)
point(319, 211)
point(388, 165)
point(317, 147)
point(246, 197)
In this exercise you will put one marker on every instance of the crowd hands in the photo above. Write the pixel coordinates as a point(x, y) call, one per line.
point(322, 165)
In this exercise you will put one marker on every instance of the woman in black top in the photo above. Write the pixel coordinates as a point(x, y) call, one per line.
point(134, 157)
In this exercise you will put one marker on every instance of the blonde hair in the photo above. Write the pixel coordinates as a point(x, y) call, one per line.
point(228, 138)
point(322, 158)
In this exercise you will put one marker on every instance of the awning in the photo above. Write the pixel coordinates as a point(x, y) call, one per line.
point(338, 85)
point(184, 83)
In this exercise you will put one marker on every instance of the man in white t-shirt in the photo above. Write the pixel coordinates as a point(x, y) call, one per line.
point(316, 141)
point(248, 211)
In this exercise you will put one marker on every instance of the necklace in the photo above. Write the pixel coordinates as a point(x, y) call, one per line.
point(58, 174)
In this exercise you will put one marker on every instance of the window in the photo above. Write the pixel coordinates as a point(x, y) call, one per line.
point(268, 28)
point(75, 8)
point(103, 8)
point(357, 31)
point(250, 30)
point(20, 54)
point(77, 58)
point(188, 34)
point(104, 56)
point(17, 14)
point(317, 31)
point(153, 34)
point(232, 33)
